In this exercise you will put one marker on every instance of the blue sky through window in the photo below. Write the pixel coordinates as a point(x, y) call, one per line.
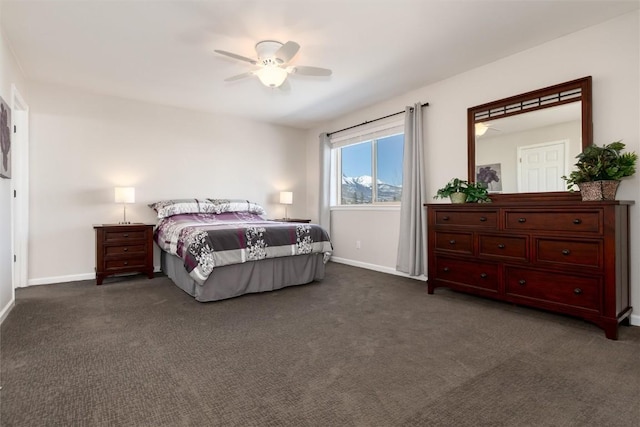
point(356, 159)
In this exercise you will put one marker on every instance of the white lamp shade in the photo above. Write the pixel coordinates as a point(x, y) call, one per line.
point(272, 75)
point(125, 195)
point(286, 197)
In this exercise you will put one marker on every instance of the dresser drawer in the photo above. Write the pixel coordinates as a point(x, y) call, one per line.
point(455, 242)
point(571, 252)
point(503, 246)
point(484, 219)
point(577, 291)
point(564, 221)
point(125, 250)
point(469, 273)
point(124, 235)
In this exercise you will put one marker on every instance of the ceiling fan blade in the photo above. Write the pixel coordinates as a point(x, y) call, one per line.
point(235, 56)
point(239, 76)
point(286, 52)
point(311, 71)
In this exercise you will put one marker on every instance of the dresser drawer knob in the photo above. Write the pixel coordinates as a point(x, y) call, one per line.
point(452, 242)
point(483, 275)
point(125, 235)
point(126, 263)
point(566, 252)
point(445, 218)
point(577, 221)
point(522, 220)
point(126, 249)
point(577, 291)
point(483, 219)
point(500, 245)
point(522, 282)
point(446, 269)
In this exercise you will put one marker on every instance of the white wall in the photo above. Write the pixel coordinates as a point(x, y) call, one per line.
point(82, 145)
point(609, 52)
point(10, 73)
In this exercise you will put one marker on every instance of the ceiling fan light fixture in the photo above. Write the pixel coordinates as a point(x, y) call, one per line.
point(481, 128)
point(272, 75)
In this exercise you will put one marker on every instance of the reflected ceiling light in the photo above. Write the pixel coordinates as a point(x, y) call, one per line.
point(481, 129)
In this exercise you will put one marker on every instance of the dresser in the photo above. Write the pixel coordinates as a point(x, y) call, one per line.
point(562, 256)
point(123, 248)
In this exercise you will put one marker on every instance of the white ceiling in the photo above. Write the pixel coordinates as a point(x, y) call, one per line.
point(162, 51)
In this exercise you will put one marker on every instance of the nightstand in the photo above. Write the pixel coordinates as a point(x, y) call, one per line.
point(291, 220)
point(123, 248)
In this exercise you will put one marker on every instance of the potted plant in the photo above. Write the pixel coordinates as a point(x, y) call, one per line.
point(599, 170)
point(477, 192)
point(454, 190)
point(461, 191)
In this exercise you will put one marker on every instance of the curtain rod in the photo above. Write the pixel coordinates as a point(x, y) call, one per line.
point(426, 104)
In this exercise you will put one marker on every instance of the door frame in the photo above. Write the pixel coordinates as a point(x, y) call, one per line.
point(20, 188)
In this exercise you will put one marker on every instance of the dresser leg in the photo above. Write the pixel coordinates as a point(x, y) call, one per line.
point(99, 280)
point(610, 329)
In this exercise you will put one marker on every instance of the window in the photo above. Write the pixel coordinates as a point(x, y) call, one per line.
point(370, 171)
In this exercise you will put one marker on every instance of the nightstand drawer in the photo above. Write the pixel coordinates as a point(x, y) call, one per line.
point(119, 264)
point(111, 236)
point(128, 250)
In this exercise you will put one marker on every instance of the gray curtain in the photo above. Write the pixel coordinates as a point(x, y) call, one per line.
point(412, 243)
point(324, 213)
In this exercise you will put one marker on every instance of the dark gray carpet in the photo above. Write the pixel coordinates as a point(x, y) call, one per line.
point(360, 348)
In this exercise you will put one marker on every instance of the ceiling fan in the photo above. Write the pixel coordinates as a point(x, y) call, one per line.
point(482, 128)
point(271, 66)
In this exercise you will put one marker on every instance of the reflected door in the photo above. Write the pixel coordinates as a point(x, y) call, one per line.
point(541, 167)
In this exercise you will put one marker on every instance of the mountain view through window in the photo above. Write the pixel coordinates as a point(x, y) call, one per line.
point(378, 161)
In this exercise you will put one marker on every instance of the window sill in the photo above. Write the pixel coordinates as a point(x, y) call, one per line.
point(365, 208)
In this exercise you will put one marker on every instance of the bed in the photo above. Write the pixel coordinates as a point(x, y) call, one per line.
point(216, 249)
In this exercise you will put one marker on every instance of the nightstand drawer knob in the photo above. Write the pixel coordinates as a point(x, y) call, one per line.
point(446, 269)
point(577, 221)
point(445, 218)
point(500, 245)
point(126, 263)
point(452, 242)
point(483, 275)
point(566, 252)
point(522, 282)
point(522, 220)
point(577, 291)
point(483, 219)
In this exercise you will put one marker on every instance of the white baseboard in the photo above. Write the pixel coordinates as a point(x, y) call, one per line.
point(634, 319)
point(69, 278)
point(375, 267)
point(7, 309)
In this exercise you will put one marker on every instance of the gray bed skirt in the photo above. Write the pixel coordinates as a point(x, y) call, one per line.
point(239, 279)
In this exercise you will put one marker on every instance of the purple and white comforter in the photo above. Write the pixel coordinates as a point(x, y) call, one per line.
point(205, 241)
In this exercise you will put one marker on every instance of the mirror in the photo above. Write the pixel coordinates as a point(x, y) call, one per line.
point(522, 146)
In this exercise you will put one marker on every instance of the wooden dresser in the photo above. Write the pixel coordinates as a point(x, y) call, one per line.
point(123, 248)
point(567, 257)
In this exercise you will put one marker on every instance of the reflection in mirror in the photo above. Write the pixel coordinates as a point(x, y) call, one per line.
point(529, 152)
point(522, 146)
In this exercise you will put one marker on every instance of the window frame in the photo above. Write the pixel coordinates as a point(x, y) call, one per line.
point(371, 135)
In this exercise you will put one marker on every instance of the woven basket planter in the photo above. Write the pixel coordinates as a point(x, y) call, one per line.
point(458, 197)
point(598, 190)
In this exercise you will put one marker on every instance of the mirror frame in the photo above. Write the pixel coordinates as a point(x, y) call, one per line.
point(552, 96)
